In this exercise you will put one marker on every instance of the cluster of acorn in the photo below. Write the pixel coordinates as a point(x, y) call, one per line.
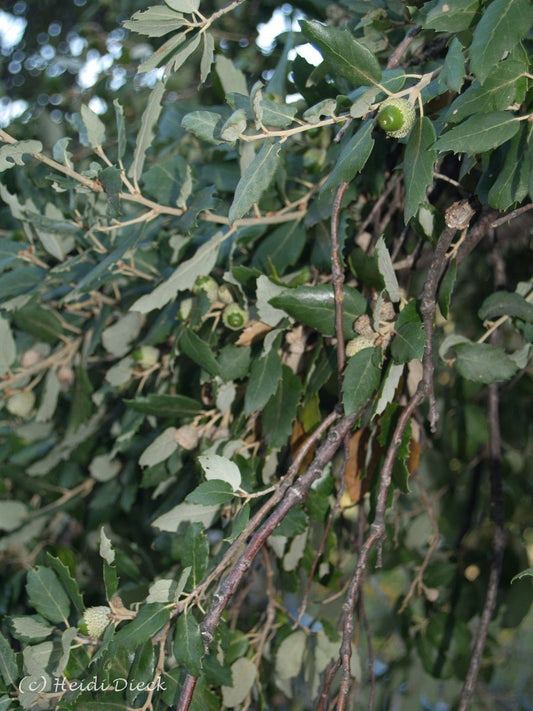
point(234, 316)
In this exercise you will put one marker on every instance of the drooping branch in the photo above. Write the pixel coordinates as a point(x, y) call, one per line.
point(377, 528)
point(293, 496)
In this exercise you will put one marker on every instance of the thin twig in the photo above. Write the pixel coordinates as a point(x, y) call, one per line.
point(337, 273)
point(398, 53)
point(512, 215)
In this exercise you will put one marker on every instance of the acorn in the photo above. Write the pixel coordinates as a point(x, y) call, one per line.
point(21, 403)
point(396, 117)
point(207, 284)
point(96, 619)
point(234, 317)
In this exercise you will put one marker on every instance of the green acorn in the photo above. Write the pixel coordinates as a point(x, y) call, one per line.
point(207, 284)
point(396, 117)
point(234, 317)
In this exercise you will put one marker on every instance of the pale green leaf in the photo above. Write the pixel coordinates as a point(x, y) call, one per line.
point(234, 126)
point(11, 154)
point(244, 673)
point(217, 467)
point(502, 25)
point(201, 263)
point(155, 21)
point(388, 388)
point(12, 514)
point(203, 125)
point(386, 270)
point(290, 654)
point(160, 449)
point(182, 513)
point(182, 55)
point(187, 6)
point(8, 349)
point(255, 179)
point(94, 127)
point(145, 134)
point(208, 55)
point(326, 107)
point(343, 52)
point(155, 59)
point(106, 549)
point(479, 133)
point(231, 78)
point(419, 161)
point(29, 629)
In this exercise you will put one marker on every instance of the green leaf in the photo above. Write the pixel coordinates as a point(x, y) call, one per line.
point(198, 351)
point(203, 125)
point(111, 180)
point(446, 288)
point(150, 618)
point(479, 133)
point(11, 154)
point(195, 552)
point(418, 164)
point(453, 70)
point(512, 182)
point(155, 59)
point(41, 322)
point(353, 157)
point(255, 179)
point(111, 579)
point(281, 249)
point(165, 405)
point(503, 24)
point(483, 363)
point(496, 94)
point(8, 349)
point(295, 523)
point(408, 342)
point(361, 378)
point(505, 303)
point(386, 270)
point(211, 493)
point(280, 411)
point(264, 378)
point(145, 134)
point(164, 180)
point(234, 362)
point(277, 115)
point(451, 15)
point(315, 306)
point(46, 594)
point(155, 21)
point(343, 52)
point(82, 406)
point(94, 127)
point(188, 645)
point(12, 514)
point(67, 581)
point(29, 629)
point(527, 573)
point(160, 449)
point(8, 662)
